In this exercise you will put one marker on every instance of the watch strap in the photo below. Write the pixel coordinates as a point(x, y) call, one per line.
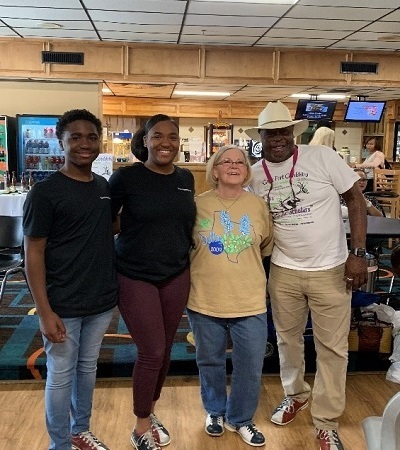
point(358, 251)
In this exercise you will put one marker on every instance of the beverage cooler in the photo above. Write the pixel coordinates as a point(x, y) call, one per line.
point(39, 152)
point(8, 150)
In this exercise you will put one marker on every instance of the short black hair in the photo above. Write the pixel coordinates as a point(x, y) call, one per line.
point(137, 146)
point(72, 116)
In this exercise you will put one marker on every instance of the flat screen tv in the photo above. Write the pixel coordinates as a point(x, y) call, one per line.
point(362, 111)
point(315, 109)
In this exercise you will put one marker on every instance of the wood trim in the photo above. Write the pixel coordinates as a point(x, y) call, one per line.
point(168, 63)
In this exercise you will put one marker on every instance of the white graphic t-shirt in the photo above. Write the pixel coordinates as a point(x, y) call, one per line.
point(308, 225)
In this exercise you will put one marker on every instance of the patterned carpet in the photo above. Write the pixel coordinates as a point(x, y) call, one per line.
point(21, 347)
point(22, 356)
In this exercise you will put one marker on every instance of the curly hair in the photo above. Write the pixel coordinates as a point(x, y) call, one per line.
point(72, 116)
point(137, 145)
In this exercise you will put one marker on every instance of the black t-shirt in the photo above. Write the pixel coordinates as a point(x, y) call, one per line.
point(158, 213)
point(75, 217)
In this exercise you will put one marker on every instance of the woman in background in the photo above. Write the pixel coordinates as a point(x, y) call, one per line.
point(323, 136)
point(375, 159)
point(155, 236)
point(372, 204)
point(233, 232)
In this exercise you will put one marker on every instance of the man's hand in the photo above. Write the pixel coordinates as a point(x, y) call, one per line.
point(355, 272)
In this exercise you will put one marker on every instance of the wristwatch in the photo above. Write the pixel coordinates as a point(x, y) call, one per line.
point(359, 251)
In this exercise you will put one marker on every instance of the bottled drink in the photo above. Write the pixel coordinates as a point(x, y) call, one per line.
point(24, 184)
point(31, 180)
point(13, 186)
point(6, 182)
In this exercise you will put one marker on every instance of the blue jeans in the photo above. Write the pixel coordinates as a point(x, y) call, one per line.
point(249, 337)
point(71, 377)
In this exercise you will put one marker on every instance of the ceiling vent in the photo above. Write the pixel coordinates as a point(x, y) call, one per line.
point(358, 67)
point(63, 58)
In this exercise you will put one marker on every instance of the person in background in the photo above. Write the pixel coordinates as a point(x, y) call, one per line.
point(70, 266)
point(374, 160)
point(155, 236)
point(326, 123)
point(233, 232)
point(374, 208)
point(312, 270)
point(323, 136)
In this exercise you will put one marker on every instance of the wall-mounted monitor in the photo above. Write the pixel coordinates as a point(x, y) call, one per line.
point(363, 111)
point(315, 110)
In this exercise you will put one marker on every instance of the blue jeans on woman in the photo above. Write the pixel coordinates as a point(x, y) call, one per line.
point(249, 337)
point(71, 377)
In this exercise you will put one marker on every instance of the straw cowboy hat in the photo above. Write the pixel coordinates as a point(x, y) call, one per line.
point(276, 115)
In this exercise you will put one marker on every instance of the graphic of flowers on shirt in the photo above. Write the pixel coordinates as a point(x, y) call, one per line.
point(224, 236)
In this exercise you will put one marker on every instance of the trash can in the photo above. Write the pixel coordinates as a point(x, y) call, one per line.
point(369, 286)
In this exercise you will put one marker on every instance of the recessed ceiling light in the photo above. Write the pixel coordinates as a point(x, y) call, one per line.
point(203, 93)
point(281, 2)
point(322, 96)
point(50, 25)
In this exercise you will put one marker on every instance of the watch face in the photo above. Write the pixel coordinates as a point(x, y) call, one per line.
point(359, 251)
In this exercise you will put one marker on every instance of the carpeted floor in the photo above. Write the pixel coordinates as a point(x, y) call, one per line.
point(21, 353)
point(22, 356)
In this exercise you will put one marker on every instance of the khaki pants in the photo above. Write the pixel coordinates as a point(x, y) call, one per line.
point(293, 294)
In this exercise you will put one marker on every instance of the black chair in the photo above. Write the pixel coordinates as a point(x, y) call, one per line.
point(11, 249)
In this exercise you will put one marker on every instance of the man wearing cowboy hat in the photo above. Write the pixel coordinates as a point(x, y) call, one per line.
point(311, 268)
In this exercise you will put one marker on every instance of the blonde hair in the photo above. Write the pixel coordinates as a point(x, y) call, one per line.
point(323, 136)
point(216, 158)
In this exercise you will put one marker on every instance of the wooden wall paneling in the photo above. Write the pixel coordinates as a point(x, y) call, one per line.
point(152, 63)
point(21, 58)
point(193, 108)
point(301, 65)
point(250, 64)
point(164, 62)
point(388, 69)
point(102, 60)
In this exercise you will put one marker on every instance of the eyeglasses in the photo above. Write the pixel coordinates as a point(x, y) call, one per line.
point(362, 180)
point(229, 163)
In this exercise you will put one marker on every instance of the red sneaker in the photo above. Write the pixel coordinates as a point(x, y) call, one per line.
point(329, 440)
point(287, 410)
point(87, 441)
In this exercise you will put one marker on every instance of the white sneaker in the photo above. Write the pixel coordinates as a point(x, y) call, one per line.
point(161, 430)
point(249, 433)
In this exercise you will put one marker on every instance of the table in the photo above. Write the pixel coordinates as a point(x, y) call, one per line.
point(380, 227)
point(12, 204)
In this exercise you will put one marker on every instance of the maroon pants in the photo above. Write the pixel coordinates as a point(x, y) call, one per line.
point(152, 312)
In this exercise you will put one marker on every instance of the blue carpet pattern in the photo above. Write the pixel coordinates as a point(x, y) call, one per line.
point(22, 356)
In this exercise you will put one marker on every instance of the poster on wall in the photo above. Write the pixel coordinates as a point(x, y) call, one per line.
point(103, 165)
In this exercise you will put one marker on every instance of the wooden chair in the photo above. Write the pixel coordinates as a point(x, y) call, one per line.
point(383, 433)
point(387, 190)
